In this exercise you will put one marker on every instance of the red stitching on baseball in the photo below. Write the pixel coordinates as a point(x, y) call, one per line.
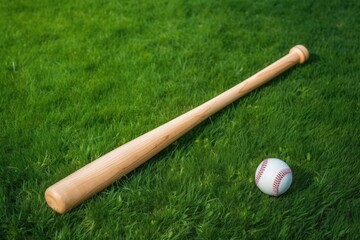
point(278, 180)
point(261, 171)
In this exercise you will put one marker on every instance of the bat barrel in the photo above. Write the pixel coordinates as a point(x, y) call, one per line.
point(97, 175)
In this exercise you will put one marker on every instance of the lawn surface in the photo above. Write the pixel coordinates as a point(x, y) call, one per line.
point(79, 78)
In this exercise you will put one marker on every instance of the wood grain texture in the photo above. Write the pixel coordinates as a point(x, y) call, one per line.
point(97, 175)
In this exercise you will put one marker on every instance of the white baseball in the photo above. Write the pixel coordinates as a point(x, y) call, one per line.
point(273, 176)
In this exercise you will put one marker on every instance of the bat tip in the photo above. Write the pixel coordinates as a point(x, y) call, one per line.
point(302, 52)
point(55, 201)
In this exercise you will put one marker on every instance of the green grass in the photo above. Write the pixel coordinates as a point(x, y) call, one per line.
point(79, 78)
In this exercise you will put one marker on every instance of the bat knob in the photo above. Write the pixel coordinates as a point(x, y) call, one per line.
point(302, 52)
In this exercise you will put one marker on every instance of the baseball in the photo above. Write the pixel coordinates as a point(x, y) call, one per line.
point(273, 176)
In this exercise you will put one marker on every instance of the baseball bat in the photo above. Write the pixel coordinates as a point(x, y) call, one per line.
point(100, 173)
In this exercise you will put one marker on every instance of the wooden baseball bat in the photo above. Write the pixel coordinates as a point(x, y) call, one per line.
point(97, 175)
